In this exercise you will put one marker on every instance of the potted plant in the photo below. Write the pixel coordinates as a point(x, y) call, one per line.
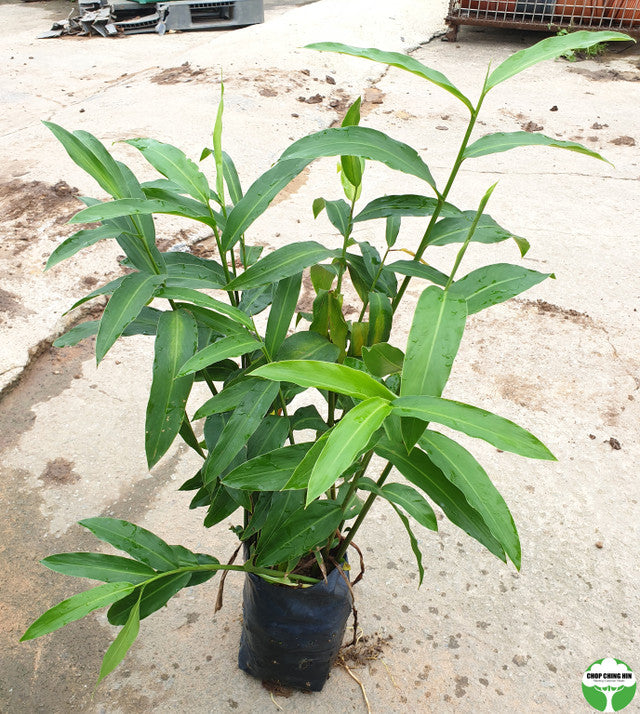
point(297, 501)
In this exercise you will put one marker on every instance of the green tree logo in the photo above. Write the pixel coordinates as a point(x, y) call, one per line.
point(609, 685)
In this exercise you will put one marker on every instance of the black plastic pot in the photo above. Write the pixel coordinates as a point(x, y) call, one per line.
point(291, 636)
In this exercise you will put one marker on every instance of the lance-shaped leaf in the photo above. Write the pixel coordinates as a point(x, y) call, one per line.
point(232, 346)
point(299, 533)
point(172, 163)
point(346, 442)
point(503, 141)
point(438, 325)
point(285, 299)
point(339, 214)
point(414, 542)
point(231, 178)
point(76, 607)
point(282, 263)
point(308, 346)
point(493, 284)
point(255, 300)
point(202, 300)
point(244, 421)
point(325, 375)
point(77, 333)
point(417, 468)
point(175, 206)
point(302, 473)
point(456, 229)
point(176, 341)
point(257, 198)
point(188, 271)
point(382, 359)
point(227, 399)
point(102, 167)
point(106, 289)
point(270, 435)
point(79, 240)
point(395, 59)
point(122, 644)
point(406, 497)
point(268, 472)
point(135, 291)
point(403, 205)
point(139, 543)
point(416, 269)
point(155, 595)
point(549, 48)
point(99, 566)
point(462, 469)
point(360, 141)
point(473, 421)
point(380, 318)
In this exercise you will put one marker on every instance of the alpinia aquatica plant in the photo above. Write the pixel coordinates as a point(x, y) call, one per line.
point(297, 502)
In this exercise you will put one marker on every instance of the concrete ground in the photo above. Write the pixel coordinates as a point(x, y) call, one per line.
point(561, 360)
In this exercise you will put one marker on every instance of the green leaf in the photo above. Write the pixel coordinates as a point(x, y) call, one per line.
point(285, 299)
point(325, 375)
point(223, 504)
point(257, 198)
point(123, 207)
point(270, 435)
point(227, 399)
point(154, 596)
point(380, 318)
point(232, 346)
point(231, 178)
point(307, 417)
point(352, 117)
point(99, 566)
point(135, 291)
point(302, 473)
point(122, 644)
point(475, 422)
point(255, 300)
point(345, 443)
point(217, 144)
point(79, 240)
point(360, 141)
point(461, 468)
point(75, 608)
point(456, 229)
point(176, 341)
point(436, 331)
point(395, 59)
point(352, 169)
point(413, 540)
point(493, 284)
point(419, 270)
point(403, 205)
point(423, 473)
point(406, 497)
point(245, 420)
point(106, 289)
point(77, 333)
point(322, 277)
point(339, 214)
point(282, 263)
point(145, 324)
point(382, 359)
point(172, 163)
point(392, 229)
point(504, 141)
point(549, 48)
point(102, 168)
point(213, 320)
point(268, 472)
point(202, 300)
point(300, 532)
point(139, 543)
point(193, 272)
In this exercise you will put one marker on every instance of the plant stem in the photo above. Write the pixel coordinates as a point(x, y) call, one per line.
point(343, 257)
point(363, 514)
point(441, 200)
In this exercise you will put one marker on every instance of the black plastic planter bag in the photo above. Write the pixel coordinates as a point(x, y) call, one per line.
point(292, 635)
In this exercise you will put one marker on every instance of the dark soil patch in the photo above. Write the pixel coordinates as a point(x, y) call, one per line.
point(59, 472)
point(181, 74)
point(366, 649)
point(10, 305)
point(548, 308)
point(34, 200)
point(607, 75)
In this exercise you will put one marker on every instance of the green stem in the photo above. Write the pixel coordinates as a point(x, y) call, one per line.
point(343, 257)
point(441, 199)
point(363, 514)
point(246, 568)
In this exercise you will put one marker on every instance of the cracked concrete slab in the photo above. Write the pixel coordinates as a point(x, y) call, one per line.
point(562, 360)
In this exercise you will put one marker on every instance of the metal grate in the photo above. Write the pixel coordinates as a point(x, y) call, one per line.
point(546, 15)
